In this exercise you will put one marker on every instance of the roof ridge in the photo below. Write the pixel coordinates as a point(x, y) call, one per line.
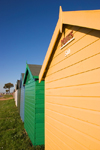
point(86, 19)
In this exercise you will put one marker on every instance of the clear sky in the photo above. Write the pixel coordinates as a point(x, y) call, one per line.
point(26, 28)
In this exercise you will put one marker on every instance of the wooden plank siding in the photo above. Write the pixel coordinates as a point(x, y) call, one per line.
point(72, 93)
point(22, 99)
point(34, 105)
point(29, 117)
point(39, 111)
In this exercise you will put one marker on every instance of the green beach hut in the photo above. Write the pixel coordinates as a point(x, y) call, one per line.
point(34, 104)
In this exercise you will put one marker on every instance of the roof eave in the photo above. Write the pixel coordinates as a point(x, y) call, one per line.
point(76, 18)
point(52, 43)
point(88, 19)
point(25, 74)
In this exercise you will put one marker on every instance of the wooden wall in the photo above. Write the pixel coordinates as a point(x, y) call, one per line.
point(29, 108)
point(34, 110)
point(72, 93)
point(39, 112)
point(22, 100)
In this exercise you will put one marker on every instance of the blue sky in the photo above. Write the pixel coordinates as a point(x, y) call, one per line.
point(26, 28)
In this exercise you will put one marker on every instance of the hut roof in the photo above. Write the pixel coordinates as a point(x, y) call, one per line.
point(35, 69)
point(22, 75)
point(18, 84)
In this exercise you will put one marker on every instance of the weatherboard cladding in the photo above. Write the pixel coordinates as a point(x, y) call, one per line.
point(72, 95)
point(22, 98)
point(87, 19)
point(34, 106)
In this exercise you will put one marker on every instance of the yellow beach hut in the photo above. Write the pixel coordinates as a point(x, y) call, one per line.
point(71, 70)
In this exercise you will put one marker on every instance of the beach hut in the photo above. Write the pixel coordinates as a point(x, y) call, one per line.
point(22, 97)
point(17, 94)
point(34, 104)
point(17, 86)
point(71, 70)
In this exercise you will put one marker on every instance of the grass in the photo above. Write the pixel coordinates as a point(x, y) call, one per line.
point(12, 133)
point(6, 96)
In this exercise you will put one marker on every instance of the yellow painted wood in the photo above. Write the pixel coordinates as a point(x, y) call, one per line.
point(79, 68)
point(80, 114)
point(78, 125)
point(80, 45)
point(87, 103)
point(89, 19)
point(76, 80)
point(49, 146)
point(59, 143)
point(61, 130)
point(72, 84)
point(78, 35)
point(84, 90)
point(72, 96)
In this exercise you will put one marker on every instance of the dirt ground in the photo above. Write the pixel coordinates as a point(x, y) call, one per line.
point(2, 99)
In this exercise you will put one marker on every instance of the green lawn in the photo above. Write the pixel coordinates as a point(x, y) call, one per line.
point(12, 133)
point(7, 96)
